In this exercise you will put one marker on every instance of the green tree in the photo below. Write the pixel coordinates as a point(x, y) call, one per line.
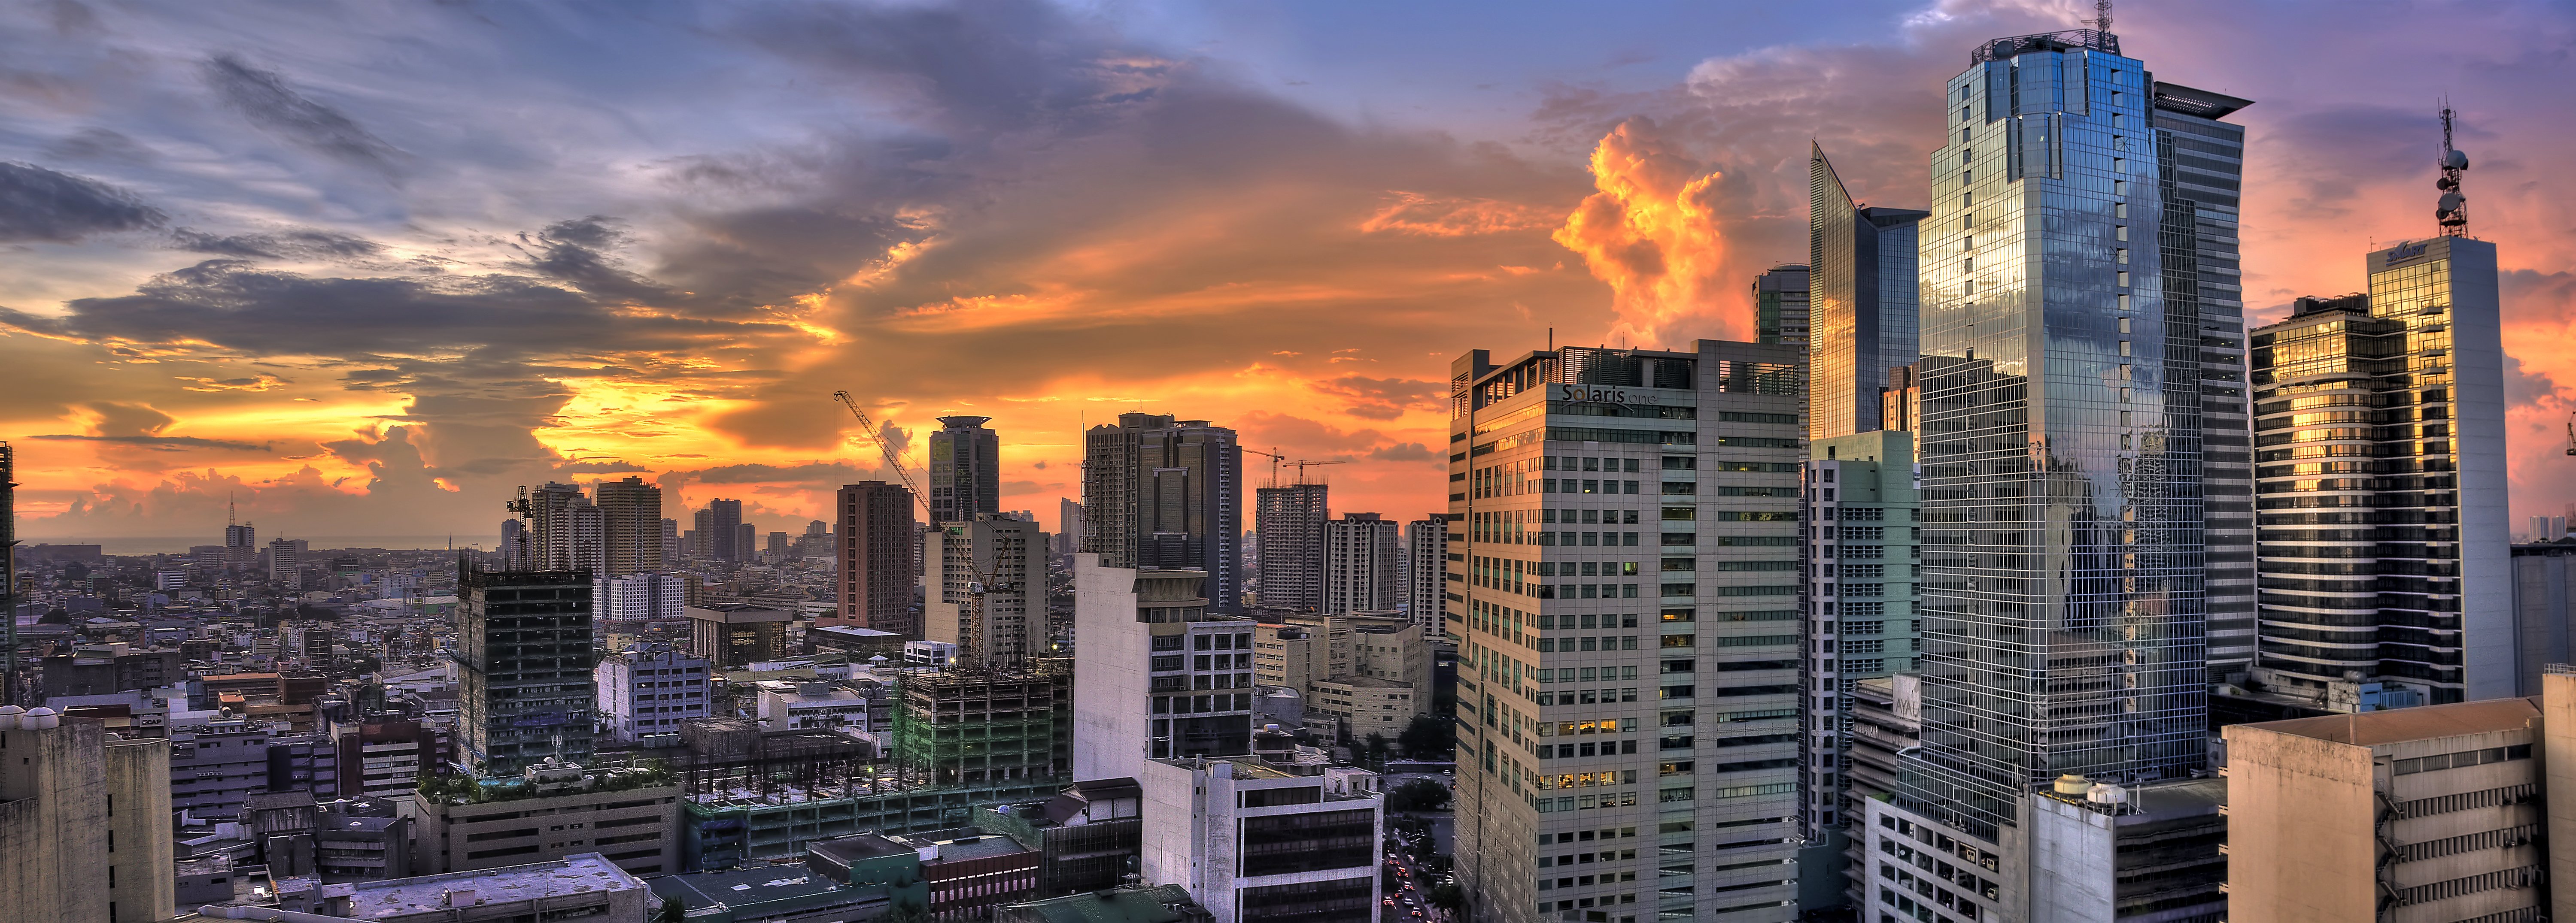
point(1449, 897)
point(672, 911)
point(1418, 795)
point(907, 913)
point(1429, 737)
point(1377, 751)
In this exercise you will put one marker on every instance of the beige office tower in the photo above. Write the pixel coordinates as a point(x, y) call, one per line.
point(630, 526)
point(976, 581)
point(84, 822)
point(1626, 526)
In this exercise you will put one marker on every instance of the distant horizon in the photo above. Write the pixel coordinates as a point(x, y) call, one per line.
point(126, 545)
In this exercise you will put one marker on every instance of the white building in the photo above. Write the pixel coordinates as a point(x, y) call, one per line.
point(1239, 834)
point(786, 706)
point(649, 690)
point(1426, 586)
point(640, 597)
point(1159, 675)
point(1359, 564)
point(960, 558)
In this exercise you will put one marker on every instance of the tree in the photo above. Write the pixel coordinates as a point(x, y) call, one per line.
point(672, 911)
point(1449, 897)
point(1429, 737)
point(1377, 750)
point(1418, 795)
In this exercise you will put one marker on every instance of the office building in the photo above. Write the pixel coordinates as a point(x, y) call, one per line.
point(1426, 576)
point(550, 811)
point(965, 470)
point(1628, 661)
point(1886, 721)
point(1360, 551)
point(286, 562)
point(2384, 540)
point(524, 659)
point(1254, 843)
point(701, 538)
point(877, 537)
point(722, 531)
point(2544, 610)
point(1162, 673)
point(69, 793)
point(977, 580)
point(384, 755)
point(733, 636)
point(640, 597)
point(1780, 305)
point(518, 548)
point(1086, 836)
point(2062, 586)
point(807, 705)
point(2200, 168)
point(631, 526)
point(2445, 812)
point(564, 529)
point(1160, 493)
point(219, 766)
point(1068, 525)
point(671, 546)
point(241, 541)
point(1357, 674)
point(1860, 564)
point(1861, 310)
point(648, 691)
point(1290, 525)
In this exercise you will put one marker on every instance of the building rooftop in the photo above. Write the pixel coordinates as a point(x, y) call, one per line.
point(742, 887)
point(2405, 724)
point(1157, 904)
point(375, 900)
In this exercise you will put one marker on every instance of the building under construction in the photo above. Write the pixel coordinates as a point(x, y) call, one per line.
point(979, 728)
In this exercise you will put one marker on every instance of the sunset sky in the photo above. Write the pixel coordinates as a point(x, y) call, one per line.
point(369, 266)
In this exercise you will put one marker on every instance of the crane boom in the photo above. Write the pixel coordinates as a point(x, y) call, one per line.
point(870, 427)
point(970, 635)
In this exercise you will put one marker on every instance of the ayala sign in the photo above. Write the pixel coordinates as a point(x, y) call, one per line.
point(2403, 252)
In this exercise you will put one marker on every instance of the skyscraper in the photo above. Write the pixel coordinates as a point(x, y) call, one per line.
point(1165, 493)
point(670, 542)
point(1426, 592)
point(1068, 526)
point(1290, 524)
point(1628, 649)
point(1861, 566)
point(2063, 558)
point(631, 526)
point(286, 563)
point(877, 536)
point(1862, 304)
point(524, 657)
point(976, 584)
point(1780, 306)
point(1359, 564)
point(2199, 170)
point(722, 530)
point(2386, 549)
point(8, 575)
point(965, 470)
point(565, 530)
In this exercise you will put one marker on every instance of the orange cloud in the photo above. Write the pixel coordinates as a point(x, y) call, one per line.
point(1652, 233)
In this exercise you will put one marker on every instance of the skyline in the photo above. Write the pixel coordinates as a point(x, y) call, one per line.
point(716, 216)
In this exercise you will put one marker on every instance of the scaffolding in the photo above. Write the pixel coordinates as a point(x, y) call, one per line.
point(978, 728)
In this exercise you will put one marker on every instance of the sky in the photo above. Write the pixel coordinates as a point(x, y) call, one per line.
point(363, 268)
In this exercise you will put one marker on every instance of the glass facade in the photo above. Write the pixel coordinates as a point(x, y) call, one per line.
point(1862, 303)
point(1624, 579)
point(2063, 597)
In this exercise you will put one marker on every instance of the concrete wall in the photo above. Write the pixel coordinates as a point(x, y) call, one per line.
point(78, 810)
point(2557, 752)
point(2299, 838)
point(1109, 676)
point(2072, 862)
point(555, 827)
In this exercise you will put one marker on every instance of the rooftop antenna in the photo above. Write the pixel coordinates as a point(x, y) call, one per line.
point(2451, 212)
point(230, 519)
point(2102, 15)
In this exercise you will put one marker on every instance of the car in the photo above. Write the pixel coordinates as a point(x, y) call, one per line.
point(1390, 902)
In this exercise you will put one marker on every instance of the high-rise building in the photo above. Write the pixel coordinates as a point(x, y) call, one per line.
point(1863, 303)
point(518, 548)
point(1900, 404)
point(69, 792)
point(721, 530)
point(565, 530)
point(746, 543)
point(1068, 525)
point(1162, 673)
point(8, 574)
point(241, 541)
point(976, 584)
point(1780, 305)
point(702, 540)
point(1252, 842)
point(1360, 551)
point(1290, 526)
point(524, 658)
point(1861, 564)
point(639, 597)
point(631, 526)
point(286, 562)
point(671, 546)
point(1165, 493)
point(876, 533)
point(965, 470)
point(2199, 170)
point(2544, 610)
point(649, 690)
point(2385, 543)
point(2064, 561)
point(1628, 653)
point(1426, 591)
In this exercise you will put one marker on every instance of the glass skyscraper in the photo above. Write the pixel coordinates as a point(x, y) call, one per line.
point(2063, 596)
point(1862, 302)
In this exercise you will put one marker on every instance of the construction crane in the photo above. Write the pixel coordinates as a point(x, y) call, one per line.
point(1301, 465)
point(970, 634)
point(2571, 435)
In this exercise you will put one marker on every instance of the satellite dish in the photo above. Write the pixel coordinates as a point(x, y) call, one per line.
point(2445, 183)
point(2451, 201)
point(2454, 160)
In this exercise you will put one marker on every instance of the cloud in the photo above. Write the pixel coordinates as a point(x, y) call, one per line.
point(263, 98)
point(1409, 452)
point(167, 442)
point(298, 244)
point(40, 204)
point(1384, 398)
point(1652, 232)
point(95, 143)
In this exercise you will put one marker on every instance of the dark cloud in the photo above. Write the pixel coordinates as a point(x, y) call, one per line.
point(170, 443)
point(299, 244)
point(1384, 398)
point(40, 204)
point(817, 474)
point(263, 98)
point(1407, 452)
point(95, 143)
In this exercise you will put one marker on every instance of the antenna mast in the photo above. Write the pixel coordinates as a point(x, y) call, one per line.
point(2102, 15)
point(2452, 212)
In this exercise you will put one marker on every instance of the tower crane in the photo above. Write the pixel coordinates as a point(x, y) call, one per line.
point(1301, 465)
point(970, 635)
